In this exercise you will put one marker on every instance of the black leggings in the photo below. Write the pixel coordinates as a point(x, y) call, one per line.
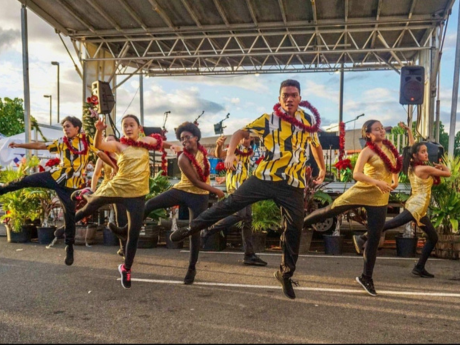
point(135, 210)
point(432, 237)
point(45, 180)
point(375, 221)
point(196, 203)
point(121, 219)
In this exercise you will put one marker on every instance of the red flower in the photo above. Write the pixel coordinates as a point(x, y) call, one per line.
point(53, 162)
point(220, 166)
point(94, 100)
point(343, 164)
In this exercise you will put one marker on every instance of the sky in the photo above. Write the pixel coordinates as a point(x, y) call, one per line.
point(376, 94)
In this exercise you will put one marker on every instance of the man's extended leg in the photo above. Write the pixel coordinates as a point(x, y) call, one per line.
point(251, 191)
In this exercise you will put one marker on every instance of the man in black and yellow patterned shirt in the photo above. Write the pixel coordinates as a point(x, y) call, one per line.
point(280, 176)
point(73, 150)
point(234, 179)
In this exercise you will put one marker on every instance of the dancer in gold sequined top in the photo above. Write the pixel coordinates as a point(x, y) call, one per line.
point(129, 186)
point(376, 171)
point(422, 177)
point(119, 210)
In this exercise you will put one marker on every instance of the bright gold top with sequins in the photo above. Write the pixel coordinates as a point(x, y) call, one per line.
point(186, 185)
point(132, 179)
point(420, 198)
point(365, 194)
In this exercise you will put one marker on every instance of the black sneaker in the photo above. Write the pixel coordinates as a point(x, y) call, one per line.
point(190, 276)
point(254, 260)
point(121, 233)
point(367, 284)
point(286, 283)
point(69, 255)
point(358, 241)
point(125, 276)
point(180, 234)
point(422, 272)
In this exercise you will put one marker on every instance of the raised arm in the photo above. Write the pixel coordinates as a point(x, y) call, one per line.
point(96, 175)
point(187, 169)
point(235, 139)
point(409, 133)
point(219, 152)
point(100, 144)
point(31, 146)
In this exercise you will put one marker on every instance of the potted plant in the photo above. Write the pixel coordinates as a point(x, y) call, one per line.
point(150, 232)
point(265, 215)
point(445, 211)
point(48, 201)
point(20, 206)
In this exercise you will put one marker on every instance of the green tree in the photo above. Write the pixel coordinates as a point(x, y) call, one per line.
point(443, 136)
point(11, 116)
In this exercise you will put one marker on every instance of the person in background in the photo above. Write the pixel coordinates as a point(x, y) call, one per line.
point(234, 179)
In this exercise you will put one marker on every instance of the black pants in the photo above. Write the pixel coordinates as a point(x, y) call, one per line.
point(44, 180)
point(196, 203)
point(432, 237)
point(375, 221)
point(135, 210)
point(289, 199)
point(121, 219)
point(245, 217)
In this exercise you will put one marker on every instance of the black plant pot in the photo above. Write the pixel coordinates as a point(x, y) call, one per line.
point(333, 244)
point(22, 236)
point(149, 237)
point(215, 242)
point(406, 247)
point(46, 234)
point(259, 240)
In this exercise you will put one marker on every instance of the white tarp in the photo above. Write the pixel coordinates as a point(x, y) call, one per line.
point(9, 156)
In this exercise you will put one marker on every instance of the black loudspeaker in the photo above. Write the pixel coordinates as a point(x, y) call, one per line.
point(173, 168)
point(152, 130)
point(105, 96)
point(329, 141)
point(218, 129)
point(412, 85)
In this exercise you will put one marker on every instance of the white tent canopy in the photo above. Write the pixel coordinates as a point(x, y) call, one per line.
point(9, 156)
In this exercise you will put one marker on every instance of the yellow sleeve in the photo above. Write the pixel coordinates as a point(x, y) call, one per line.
point(257, 127)
point(91, 146)
point(54, 147)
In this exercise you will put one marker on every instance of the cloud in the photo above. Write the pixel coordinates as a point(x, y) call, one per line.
point(7, 38)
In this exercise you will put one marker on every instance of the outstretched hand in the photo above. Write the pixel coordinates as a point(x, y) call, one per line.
point(231, 157)
point(403, 126)
point(100, 124)
point(13, 145)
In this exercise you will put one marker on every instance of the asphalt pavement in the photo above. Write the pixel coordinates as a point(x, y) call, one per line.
point(44, 301)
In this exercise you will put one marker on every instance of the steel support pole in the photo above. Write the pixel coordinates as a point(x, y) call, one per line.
point(58, 95)
point(141, 93)
point(453, 111)
point(25, 73)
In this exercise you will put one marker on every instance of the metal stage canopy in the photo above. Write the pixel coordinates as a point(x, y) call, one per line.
point(218, 37)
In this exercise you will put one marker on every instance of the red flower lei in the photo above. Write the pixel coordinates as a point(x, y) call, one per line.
point(73, 150)
point(203, 175)
point(140, 143)
point(436, 179)
point(243, 154)
point(292, 120)
point(385, 159)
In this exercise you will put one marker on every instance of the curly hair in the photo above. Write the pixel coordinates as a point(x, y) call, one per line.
point(189, 127)
point(76, 122)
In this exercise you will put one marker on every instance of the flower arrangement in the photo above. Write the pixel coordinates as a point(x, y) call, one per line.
point(220, 169)
point(343, 166)
point(90, 115)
